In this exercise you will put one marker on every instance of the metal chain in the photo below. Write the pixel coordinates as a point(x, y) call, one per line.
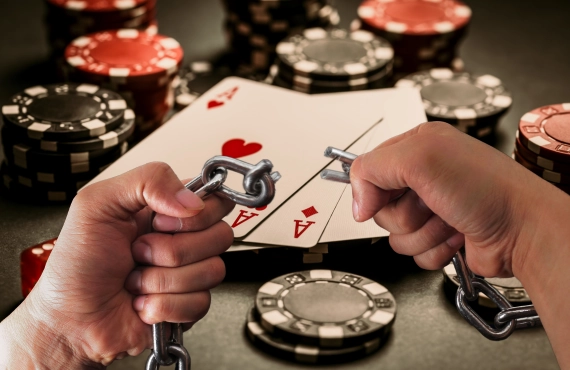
point(259, 186)
point(506, 321)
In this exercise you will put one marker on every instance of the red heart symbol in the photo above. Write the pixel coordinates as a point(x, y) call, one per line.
point(214, 104)
point(237, 148)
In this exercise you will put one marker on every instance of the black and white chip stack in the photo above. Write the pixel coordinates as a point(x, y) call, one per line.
point(425, 34)
point(253, 28)
point(58, 137)
point(321, 317)
point(67, 20)
point(195, 79)
point(323, 61)
point(474, 104)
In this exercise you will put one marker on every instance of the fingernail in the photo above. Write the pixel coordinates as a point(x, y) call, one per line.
point(138, 303)
point(189, 200)
point(142, 253)
point(355, 209)
point(456, 241)
point(166, 223)
point(133, 283)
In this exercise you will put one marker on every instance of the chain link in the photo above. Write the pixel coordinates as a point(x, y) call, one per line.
point(259, 186)
point(506, 321)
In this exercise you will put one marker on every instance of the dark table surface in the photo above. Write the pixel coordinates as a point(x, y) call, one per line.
point(524, 42)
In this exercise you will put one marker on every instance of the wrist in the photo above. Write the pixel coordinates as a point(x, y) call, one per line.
point(28, 342)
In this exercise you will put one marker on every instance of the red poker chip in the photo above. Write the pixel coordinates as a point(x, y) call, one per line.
point(543, 163)
point(550, 176)
point(97, 5)
point(545, 131)
point(125, 56)
point(415, 17)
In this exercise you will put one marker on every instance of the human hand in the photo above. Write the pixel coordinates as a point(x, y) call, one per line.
point(111, 275)
point(461, 192)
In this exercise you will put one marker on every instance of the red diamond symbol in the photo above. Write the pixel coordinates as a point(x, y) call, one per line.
point(309, 211)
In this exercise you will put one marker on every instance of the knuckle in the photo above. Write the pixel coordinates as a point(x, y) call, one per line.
point(157, 308)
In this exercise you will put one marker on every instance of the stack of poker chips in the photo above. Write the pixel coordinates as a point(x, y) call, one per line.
point(474, 104)
point(253, 28)
point(543, 144)
point(321, 317)
point(323, 61)
point(58, 137)
point(195, 79)
point(33, 260)
point(139, 65)
point(425, 34)
point(67, 20)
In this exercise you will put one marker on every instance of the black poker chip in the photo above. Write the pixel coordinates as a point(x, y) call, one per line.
point(334, 54)
point(107, 140)
point(35, 195)
point(455, 97)
point(64, 112)
point(42, 162)
point(325, 308)
point(309, 354)
point(197, 78)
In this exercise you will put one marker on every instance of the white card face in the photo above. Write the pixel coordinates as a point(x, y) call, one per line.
point(402, 112)
point(300, 221)
point(254, 121)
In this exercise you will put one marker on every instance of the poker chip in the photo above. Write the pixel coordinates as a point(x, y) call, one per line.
point(108, 140)
point(472, 103)
point(415, 17)
point(543, 163)
point(36, 195)
point(254, 28)
point(548, 175)
point(337, 55)
point(32, 183)
point(545, 131)
point(510, 288)
point(64, 112)
point(197, 78)
point(425, 34)
point(304, 353)
point(325, 308)
point(124, 56)
point(32, 263)
point(67, 20)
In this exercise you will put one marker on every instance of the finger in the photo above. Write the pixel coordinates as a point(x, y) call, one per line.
point(433, 233)
point(173, 250)
point(440, 256)
point(404, 215)
point(215, 209)
point(199, 276)
point(189, 307)
point(154, 185)
point(404, 163)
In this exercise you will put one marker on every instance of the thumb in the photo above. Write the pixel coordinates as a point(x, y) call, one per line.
point(153, 185)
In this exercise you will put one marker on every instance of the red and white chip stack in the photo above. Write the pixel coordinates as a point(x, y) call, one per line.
point(425, 34)
point(139, 65)
point(32, 263)
point(67, 20)
point(542, 144)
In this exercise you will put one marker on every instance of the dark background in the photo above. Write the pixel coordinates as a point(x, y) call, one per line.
point(524, 43)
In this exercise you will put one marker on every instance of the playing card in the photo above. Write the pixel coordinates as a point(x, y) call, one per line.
point(254, 121)
point(300, 221)
point(403, 110)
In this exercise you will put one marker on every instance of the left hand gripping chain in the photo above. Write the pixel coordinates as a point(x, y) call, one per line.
point(506, 321)
point(259, 185)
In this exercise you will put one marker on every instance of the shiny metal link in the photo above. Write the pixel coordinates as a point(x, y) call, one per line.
point(175, 350)
point(264, 187)
point(346, 160)
point(506, 321)
point(464, 275)
point(168, 350)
